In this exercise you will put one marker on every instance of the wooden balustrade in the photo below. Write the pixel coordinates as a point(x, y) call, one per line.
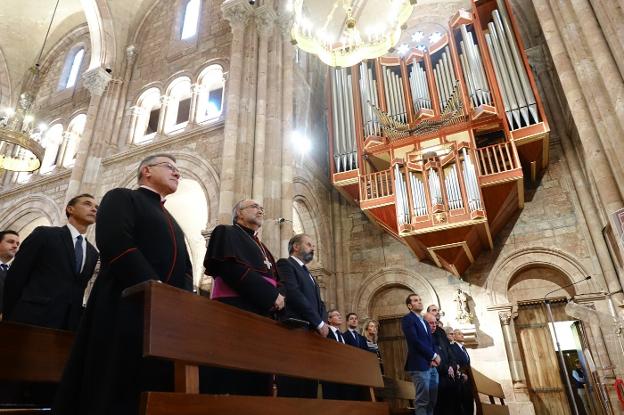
point(497, 158)
point(376, 185)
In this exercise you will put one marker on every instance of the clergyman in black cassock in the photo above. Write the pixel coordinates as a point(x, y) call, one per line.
point(9, 244)
point(46, 282)
point(244, 276)
point(304, 303)
point(139, 241)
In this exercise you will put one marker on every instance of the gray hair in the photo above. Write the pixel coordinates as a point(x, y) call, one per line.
point(148, 160)
point(235, 210)
point(295, 240)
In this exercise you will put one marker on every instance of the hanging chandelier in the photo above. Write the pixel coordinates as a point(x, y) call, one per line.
point(345, 32)
point(20, 139)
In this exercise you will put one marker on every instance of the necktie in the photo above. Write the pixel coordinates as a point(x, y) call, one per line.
point(78, 251)
point(339, 335)
point(466, 352)
point(309, 275)
point(4, 267)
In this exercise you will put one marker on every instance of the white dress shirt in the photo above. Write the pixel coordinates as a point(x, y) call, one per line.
point(74, 234)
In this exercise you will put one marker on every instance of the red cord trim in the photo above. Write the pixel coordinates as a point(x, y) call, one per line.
point(127, 251)
point(619, 388)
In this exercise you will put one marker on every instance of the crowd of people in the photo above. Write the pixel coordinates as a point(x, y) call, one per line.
point(43, 284)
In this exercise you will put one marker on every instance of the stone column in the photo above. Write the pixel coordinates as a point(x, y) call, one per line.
point(513, 353)
point(117, 140)
point(196, 92)
point(162, 117)
point(286, 230)
point(89, 155)
point(237, 12)
point(577, 73)
point(579, 180)
point(265, 21)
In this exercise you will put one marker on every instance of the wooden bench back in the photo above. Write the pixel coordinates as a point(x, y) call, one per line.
point(32, 354)
point(192, 330)
point(492, 389)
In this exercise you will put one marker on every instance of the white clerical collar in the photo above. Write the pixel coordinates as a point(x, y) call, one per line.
point(74, 232)
point(300, 262)
point(151, 189)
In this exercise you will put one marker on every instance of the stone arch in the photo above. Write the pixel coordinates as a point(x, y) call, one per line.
point(103, 40)
point(307, 197)
point(158, 85)
point(195, 168)
point(388, 277)
point(29, 207)
point(504, 270)
point(222, 62)
point(5, 82)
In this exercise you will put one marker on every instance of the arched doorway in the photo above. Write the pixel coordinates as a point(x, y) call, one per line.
point(537, 327)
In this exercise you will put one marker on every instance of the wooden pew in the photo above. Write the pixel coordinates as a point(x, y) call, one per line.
point(30, 355)
point(399, 394)
point(191, 330)
point(493, 390)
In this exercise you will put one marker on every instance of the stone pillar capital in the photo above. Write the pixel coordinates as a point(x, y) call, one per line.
point(131, 53)
point(505, 317)
point(285, 22)
point(265, 20)
point(164, 100)
point(237, 12)
point(96, 80)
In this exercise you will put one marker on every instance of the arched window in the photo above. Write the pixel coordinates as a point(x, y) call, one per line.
point(72, 68)
point(147, 116)
point(52, 140)
point(178, 105)
point(210, 99)
point(191, 18)
point(72, 138)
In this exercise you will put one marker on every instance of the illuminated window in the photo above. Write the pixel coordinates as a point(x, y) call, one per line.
point(191, 18)
point(210, 99)
point(72, 139)
point(52, 140)
point(75, 68)
point(178, 105)
point(147, 116)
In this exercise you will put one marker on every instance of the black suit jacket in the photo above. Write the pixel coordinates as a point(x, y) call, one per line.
point(303, 295)
point(42, 287)
point(359, 341)
point(2, 277)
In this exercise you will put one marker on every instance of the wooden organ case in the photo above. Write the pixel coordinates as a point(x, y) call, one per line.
point(434, 146)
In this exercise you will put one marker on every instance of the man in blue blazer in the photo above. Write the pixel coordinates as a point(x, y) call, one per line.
point(422, 359)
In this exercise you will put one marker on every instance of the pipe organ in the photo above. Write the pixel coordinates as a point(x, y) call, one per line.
point(435, 145)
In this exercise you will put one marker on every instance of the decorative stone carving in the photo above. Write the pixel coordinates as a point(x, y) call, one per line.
point(131, 54)
point(463, 314)
point(96, 80)
point(237, 12)
point(265, 20)
point(505, 317)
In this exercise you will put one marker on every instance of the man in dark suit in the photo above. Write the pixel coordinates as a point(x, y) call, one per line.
point(351, 335)
point(304, 303)
point(9, 243)
point(422, 359)
point(463, 359)
point(46, 282)
point(335, 390)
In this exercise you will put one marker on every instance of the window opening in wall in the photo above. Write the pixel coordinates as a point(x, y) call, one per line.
point(152, 124)
point(72, 139)
point(215, 103)
point(52, 140)
point(191, 18)
point(75, 68)
point(184, 111)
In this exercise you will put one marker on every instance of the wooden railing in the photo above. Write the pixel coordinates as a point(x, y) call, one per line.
point(484, 386)
point(376, 185)
point(497, 158)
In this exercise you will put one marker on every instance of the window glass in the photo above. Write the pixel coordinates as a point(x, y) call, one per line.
point(191, 17)
point(75, 68)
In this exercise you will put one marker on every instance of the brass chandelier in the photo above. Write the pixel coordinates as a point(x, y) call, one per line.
point(345, 32)
point(20, 140)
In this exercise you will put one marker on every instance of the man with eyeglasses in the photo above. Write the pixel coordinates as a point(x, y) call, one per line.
point(139, 241)
point(244, 276)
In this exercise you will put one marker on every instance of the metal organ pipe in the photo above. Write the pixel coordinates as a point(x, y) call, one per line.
point(471, 59)
point(472, 184)
point(375, 100)
point(434, 187)
point(345, 153)
point(365, 95)
point(419, 200)
point(334, 93)
point(472, 91)
point(351, 145)
point(401, 196)
point(524, 78)
point(506, 91)
point(451, 183)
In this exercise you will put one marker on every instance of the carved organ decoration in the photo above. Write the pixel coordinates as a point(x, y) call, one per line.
point(435, 143)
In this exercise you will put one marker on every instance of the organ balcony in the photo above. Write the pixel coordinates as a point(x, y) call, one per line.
point(435, 145)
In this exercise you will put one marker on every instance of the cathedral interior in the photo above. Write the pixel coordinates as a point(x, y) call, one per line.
point(474, 161)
